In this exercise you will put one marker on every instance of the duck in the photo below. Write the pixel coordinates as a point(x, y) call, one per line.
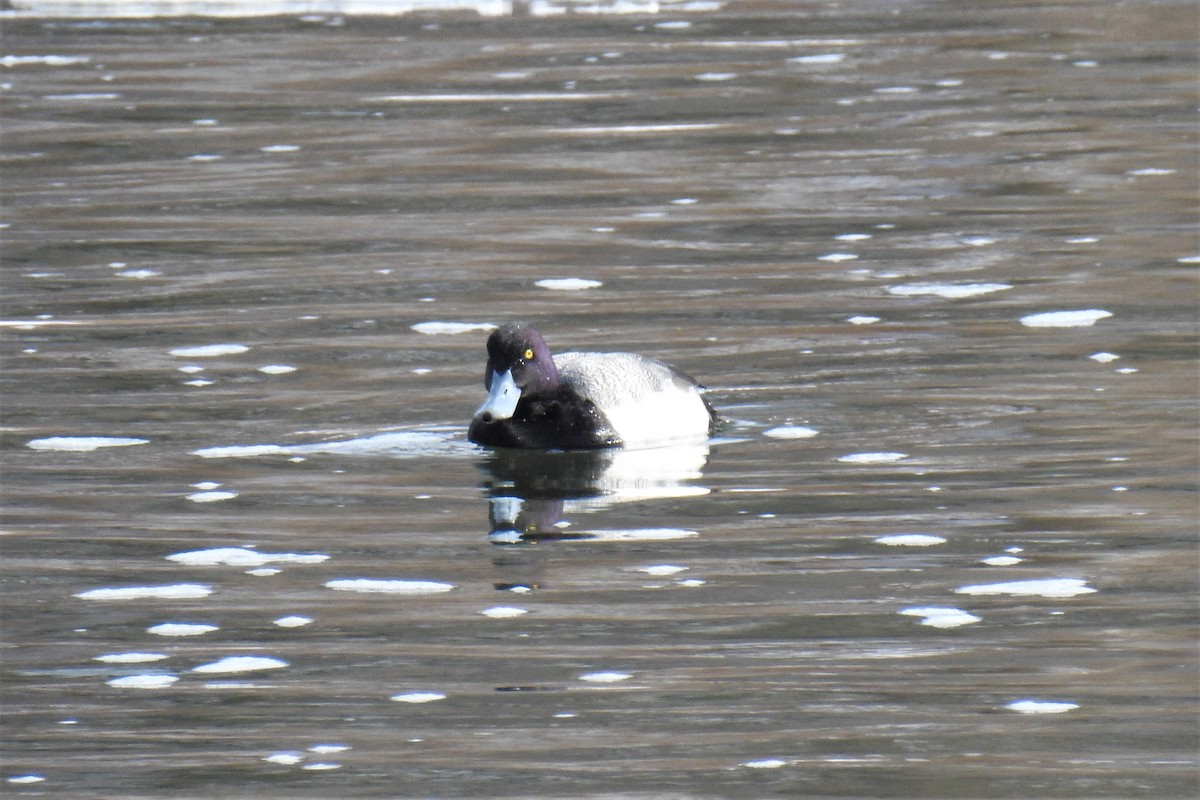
point(574, 401)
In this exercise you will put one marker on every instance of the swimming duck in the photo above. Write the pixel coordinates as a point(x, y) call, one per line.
point(582, 400)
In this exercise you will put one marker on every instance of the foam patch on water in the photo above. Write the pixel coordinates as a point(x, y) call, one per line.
point(951, 291)
point(1065, 319)
point(209, 350)
point(790, 432)
point(451, 328)
point(176, 591)
point(872, 458)
point(941, 616)
point(242, 557)
point(397, 444)
point(130, 658)
point(910, 540)
point(1049, 587)
point(418, 697)
point(1041, 706)
point(231, 664)
point(605, 677)
point(142, 681)
point(568, 284)
point(504, 612)
point(383, 586)
point(181, 629)
point(82, 444)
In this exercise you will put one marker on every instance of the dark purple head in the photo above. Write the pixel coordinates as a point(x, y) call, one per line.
point(519, 365)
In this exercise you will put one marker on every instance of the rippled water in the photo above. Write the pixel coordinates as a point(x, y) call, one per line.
point(935, 263)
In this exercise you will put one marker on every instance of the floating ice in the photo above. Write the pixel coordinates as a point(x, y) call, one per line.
point(206, 486)
point(1049, 587)
point(326, 749)
point(25, 779)
point(280, 148)
point(293, 621)
point(130, 658)
point(84, 96)
point(211, 496)
point(872, 458)
point(605, 677)
point(716, 76)
point(951, 291)
point(691, 583)
point(435, 328)
point(790, 432)
point(979, 241)
point(1104, 357)
point(140, 274)
point(910, 540)
point(765, 763)
point(640, 535)
point(418, 697)
point(1040, 706)
point(205, 157)
point(1001, 561)
point(318, 766)
point(231, 664)
point(1065, 319)
point(819, 58)
point(176, 591)
point(50, 61)
point(287, 759)
point(837, 257)
point(862, 320)
point(381, 586)
point(568, 284)
point(181, 629)
point(503, 612)
point(1150, 171)
point(276, 369)
point(395, 444)
point(198, 382)
point(243, 557)
point(940, 616)
point(82, 444)
point(662, 569)
point(142, 681)
point(208, 350)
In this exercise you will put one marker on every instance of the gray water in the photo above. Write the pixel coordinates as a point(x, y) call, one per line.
point(840, 218)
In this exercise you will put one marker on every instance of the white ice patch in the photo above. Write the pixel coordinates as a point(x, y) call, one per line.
point(231, 664)
point(397, 444)
point(22, 780)
point(50, 61)
point(293, 621)
point(211, 496)
point(1049, 587)
point(872, 458)
point(910, 540)
point(130, 658)
point(640, 535)
point(1065, 319)
point(142, 681)
point(286, 759)
point(503, 612)
point(790, 432)
point(181, 629)
point(862, 320)
point(838, 257)
point(1001, 561)
point(82, 444)
point(662, 569)
point(568, 284)
point(436, 328)
point(1104, 357)
point(243, 557)
point(209, 350)
point(383, 586)
point(1040, 706)
point(951, 291)
point(765, 763)
point(605, 677)
point(280, 148)
point(940, 616)
point(819, 58)
point(176, 591)
point(140, 274)
point(418, 697)
point(276, 369)
point(326, 749)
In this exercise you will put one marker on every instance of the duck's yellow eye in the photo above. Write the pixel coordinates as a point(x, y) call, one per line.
point(528, 354)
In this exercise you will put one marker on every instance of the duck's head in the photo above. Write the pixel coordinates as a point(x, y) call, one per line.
point(519, 365)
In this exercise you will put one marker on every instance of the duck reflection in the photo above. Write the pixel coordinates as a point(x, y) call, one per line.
point(532, 492)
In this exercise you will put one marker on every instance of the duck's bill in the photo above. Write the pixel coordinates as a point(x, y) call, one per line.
point(502, 398)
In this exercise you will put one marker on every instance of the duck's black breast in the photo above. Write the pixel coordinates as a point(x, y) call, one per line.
point(563, 421)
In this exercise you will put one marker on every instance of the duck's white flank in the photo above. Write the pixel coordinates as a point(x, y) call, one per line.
point(646, 402)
